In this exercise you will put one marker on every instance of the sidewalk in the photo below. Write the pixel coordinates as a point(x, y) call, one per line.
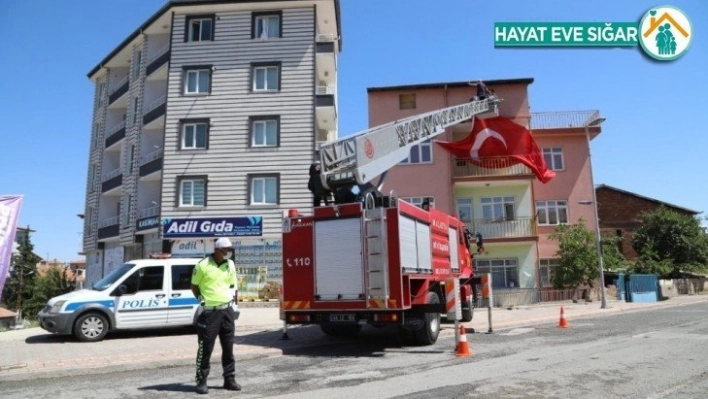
point(33, 353)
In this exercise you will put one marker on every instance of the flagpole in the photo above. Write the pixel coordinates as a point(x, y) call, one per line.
point(598, 244)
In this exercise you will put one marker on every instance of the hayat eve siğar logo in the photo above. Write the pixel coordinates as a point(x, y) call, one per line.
point(665, 33)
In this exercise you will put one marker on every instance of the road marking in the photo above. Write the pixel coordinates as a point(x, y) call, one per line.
point(518, 331)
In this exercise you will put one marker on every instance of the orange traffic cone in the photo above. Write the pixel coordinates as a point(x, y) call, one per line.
point(563, 322)
point(463, 348)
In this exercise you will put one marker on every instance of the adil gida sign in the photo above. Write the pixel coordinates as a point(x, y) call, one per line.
point(242, 226)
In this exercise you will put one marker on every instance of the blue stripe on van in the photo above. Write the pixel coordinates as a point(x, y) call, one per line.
point(183, 301)
point(76, 305)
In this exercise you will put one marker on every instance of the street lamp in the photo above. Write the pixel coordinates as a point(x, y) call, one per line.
point(600, 266)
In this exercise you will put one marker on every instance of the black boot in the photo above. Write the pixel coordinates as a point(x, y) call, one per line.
point(231, 384)
point(202, 387)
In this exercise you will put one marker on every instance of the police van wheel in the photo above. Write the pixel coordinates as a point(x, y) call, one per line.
point(91, 327)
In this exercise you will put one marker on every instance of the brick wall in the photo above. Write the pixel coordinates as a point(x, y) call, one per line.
point(620, 214)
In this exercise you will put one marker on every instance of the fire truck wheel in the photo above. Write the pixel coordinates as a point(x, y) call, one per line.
point(428, 334)
point(467, 310)
point(340, 331)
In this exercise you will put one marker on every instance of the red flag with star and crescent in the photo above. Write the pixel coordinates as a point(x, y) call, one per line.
point(499, 143)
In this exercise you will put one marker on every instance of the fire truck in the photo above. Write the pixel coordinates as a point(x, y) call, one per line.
point(376, 259)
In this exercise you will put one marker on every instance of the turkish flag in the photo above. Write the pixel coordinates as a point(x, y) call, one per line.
point(499, 143)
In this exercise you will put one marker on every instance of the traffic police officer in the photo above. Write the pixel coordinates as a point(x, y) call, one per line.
point(213, 280)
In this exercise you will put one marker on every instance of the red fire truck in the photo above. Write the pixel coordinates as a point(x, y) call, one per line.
point(378, 260)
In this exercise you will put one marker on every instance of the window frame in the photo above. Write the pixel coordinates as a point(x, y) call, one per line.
point(259, 65)
point(173, 271)
point(418, 200)
point(261, 14)
point(419, 148)
point(255, 176)
point(137, 63)
point(182, 136)
point(545, 269)
point(178, 199)
point(552, 152)
point(506, 200)
point(545, 208)
point(187, 25)
point(252, 130)
point(459, 205)
point(504, 267)
point(186, 70)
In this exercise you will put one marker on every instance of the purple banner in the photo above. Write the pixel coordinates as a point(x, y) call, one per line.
point(9, 214)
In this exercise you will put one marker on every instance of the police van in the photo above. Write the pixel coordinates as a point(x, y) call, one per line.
point(140, 294)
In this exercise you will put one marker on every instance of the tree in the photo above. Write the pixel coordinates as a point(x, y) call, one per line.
point(577, 252)
point(19, 287)
point(54, 283)
point(665, 238)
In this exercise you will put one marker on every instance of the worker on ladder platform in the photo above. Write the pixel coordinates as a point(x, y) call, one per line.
point(315, 185)
point(482, 91)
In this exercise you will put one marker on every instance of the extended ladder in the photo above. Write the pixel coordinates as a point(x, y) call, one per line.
point(360, 158)
point(377, 284)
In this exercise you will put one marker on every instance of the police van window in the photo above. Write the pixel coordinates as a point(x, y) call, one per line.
point(112, 277)
point(145, 279)
point(182, 277)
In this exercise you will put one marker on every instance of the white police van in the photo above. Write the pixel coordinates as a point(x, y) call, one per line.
point(140, 294)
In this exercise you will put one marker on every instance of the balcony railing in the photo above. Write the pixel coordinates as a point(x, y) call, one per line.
point(563, 120)
point(493, 167)
point(148, 212)
point(111, 174)
point(153, 105)
point(515, 228)
point(108, 222)
point(118, 85)
point(115, 129)
point(157, 53)
point(151, 156)
point(324, 90)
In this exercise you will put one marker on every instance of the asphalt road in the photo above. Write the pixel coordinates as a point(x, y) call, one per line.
point(658, 353)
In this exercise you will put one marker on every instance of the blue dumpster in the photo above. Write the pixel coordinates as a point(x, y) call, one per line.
point(642, 288)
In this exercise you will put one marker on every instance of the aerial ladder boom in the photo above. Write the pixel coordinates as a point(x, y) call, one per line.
point(360, 158)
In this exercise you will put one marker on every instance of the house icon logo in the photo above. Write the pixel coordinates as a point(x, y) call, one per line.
point(665, 33)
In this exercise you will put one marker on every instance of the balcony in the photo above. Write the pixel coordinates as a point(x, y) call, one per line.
point(111, 181)
point(108, 228)
point(494, 167)
point(149, 212)
point(157, 59)
point(501, 229)
point(326, 111)
point(154, 111)
point(118, 90)
point(148, 218)
point(115, 134)
point(151, 163)
point(563, 120)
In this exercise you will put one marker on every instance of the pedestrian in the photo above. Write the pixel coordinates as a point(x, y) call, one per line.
point(315, 185)
point(213, 280)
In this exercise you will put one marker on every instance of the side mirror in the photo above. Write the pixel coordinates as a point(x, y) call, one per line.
point(122, 289)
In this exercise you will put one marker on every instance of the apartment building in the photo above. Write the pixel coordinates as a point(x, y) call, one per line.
point(514, 212)
point(206, 119)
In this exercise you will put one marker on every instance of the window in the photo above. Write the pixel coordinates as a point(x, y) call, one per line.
point(182, 277)
point(128, 207)
point(266, 77)
point(195, 135)
point(192, 191)
point(505, 272)
point(418, 201)
point(420, 153)
point(263, 189)
point(266, 25)
point(146, 279)
point(100, 92)
point(96, 130)
point(265, 131)
point(199, 28)
point(546, 270)
point(497, 208)
point(406, 101)
point(94, 177)
point(197, 80)
point(135, 111)
point(552, 212)
point(136, 64)
point(553, 158)
point(464, 210)
point(131, 159)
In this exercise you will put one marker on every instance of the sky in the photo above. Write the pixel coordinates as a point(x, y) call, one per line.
point(652, 143)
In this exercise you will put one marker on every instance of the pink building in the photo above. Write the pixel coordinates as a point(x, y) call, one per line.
point(514, 212)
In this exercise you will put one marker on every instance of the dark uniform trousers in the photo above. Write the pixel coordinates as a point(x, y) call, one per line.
point(210, 324)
